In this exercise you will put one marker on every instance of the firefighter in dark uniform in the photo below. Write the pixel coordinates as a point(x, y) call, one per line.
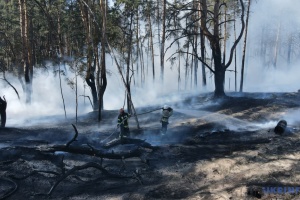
point(3, 105)
point(123, 124)
point(166, 113)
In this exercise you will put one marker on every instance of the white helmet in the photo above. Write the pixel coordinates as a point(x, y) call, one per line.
point(166, 107)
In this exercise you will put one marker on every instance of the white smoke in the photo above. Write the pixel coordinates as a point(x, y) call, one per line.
point(46, 99)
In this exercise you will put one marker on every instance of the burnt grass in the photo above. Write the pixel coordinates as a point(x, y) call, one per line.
point(170, 171)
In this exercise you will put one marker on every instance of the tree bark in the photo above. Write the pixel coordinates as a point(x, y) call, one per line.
point(61, 54)
point(235, 60)
point(163, 38)
point(89, 78)
point(129, 49)
point(26, 52)
point(202, 49)
point(103, 79)
point(244, 49)
point(151, 44)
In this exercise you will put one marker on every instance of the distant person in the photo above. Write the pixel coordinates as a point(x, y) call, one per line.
point(166, 113)
point(3, 105)
point(123, 124)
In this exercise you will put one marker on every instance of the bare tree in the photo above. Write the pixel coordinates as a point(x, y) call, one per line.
point(213, 37)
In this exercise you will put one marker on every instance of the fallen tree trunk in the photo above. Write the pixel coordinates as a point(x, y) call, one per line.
point(104, 152)
point(92, 152)
point(138, 142)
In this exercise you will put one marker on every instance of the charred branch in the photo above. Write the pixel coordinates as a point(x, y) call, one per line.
point(88, 98)
point(74, 138)
point(33, 173)
point(16, 91)
point(140, 143)
point(11, 191)
point(239, 37)
point(86, 166)
point(95, 152)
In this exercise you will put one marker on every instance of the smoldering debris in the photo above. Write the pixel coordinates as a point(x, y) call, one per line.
point(280, 127)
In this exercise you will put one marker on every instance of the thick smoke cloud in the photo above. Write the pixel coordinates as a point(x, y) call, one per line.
point(272, 20)
point(46, 99)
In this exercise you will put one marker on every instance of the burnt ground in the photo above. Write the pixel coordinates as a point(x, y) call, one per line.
point(214, 149)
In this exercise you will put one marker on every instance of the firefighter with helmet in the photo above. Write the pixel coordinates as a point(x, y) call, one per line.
point(166, 113)
point(123, 124)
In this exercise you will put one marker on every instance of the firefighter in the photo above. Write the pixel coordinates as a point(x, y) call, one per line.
point(3, 105)
point(123, 124)
point(166, 113)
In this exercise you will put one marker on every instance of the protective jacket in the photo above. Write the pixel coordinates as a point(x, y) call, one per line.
point(166, 113)
point(123, 119)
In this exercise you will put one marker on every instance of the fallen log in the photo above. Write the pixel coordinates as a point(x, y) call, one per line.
point(33, 173)
point(103, 152)
point(122, 141)
point(137, 152)
point(280, 127)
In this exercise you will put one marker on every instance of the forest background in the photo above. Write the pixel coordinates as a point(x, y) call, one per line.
point(64, 57)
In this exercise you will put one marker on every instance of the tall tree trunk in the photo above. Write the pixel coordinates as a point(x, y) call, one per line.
point(186, 74)
point(158, 20)
point(263, 45)
point(225, 34)
point(195, 45)
point(163, 38)
point(151, 43)
point(142, 64)
point(276, 45)
point(90, 77)
point(244, 49)
point(289, 52)
point(179, 68)
point(192, 65)
point(103, 79)
point(61, 54)
point(216, 53)
point(138, 64)
point(129, 49)
point(235, 64)
point(178, 50)
point(26, 52)
point(219, 72)
point(202, 49)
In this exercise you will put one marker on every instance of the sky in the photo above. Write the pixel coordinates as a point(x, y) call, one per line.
point(47, 100)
